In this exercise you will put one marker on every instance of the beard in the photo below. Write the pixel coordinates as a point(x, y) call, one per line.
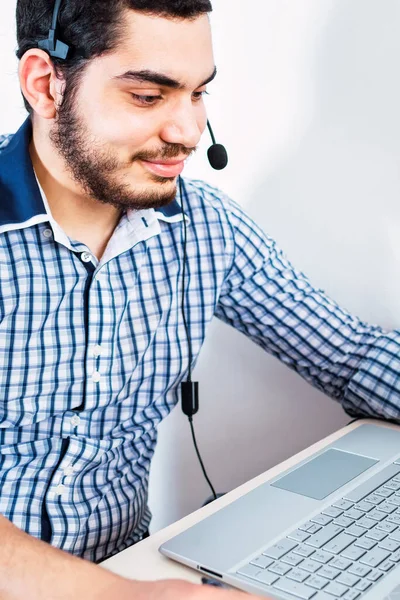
point(96, 170)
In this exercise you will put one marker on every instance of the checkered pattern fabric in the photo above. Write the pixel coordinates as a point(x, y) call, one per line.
point(92, 352)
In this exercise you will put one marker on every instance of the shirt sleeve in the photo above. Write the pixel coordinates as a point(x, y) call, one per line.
point(276, 306)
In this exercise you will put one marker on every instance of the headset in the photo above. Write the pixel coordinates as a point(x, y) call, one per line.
point(218, 159)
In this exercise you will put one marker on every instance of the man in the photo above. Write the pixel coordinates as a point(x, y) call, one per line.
point(93, 345)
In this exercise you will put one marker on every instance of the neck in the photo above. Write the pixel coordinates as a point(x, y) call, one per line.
point(83, 218)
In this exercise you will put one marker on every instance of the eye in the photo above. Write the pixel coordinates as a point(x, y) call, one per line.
point(197, 96)
point(146, 100)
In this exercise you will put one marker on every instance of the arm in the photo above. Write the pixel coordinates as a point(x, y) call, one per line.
point(276, 306)
point(32, 569)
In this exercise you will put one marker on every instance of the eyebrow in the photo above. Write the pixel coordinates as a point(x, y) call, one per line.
point(160, 78)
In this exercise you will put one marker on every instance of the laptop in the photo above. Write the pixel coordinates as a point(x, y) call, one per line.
point(327, 528)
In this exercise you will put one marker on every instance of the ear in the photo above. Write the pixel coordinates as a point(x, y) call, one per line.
point(39, 82)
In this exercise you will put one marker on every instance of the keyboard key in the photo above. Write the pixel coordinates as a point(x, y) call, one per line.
point(347, 579)
point(279, 569)
point(303, 551)
point(353, 553)
point(386, 527)
point(387, 508)
point(366, 523)
point(355, 531)
point(292, 559)
point(310, 565)
point(390, 545)
point(392, 485)
point(394, 519)
point(300, 590)
point(343, 504)
point(267, 577)
point(386, 566)
point(374, 557)
point(336, 589)
point(352, 513)
point(376, 515)
point(384, 492)
point(299, 536)
point(298, 575)
point(305, 526)
point(374, 499)
point(395, 556)
point(363, 585)
point(280, 549)
point(322, 520)
point(394, 500)
point(325, 535)
point(395, 536)
point(339, 543)
point(250, 571)
point(262, 562)
point(360, 570)
point(375, 575)
point(332, 511)
point(376, 535)
point(329, 572)
point(365, 543)
point(310, 527)
point(352, 595)
point(360, 492)
point(322, 557)
point(343, 521)
point(340, 563)
point(317, 582)
point(314, 528)
point(364, 506)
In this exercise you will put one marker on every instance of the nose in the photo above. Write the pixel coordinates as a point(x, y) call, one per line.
point(184, 125)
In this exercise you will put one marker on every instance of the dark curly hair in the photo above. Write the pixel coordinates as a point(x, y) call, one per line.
point(92, 27)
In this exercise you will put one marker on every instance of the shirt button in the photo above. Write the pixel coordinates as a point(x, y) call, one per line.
point(86, 257)
point(75, 420)
point(96, 376)
point(97, 350)
point(60, 489)
point(48, 233)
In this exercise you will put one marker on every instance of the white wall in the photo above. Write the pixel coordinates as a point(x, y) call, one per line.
point(307, 103)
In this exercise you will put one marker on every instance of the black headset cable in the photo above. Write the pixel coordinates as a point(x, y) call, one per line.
point(190, 388)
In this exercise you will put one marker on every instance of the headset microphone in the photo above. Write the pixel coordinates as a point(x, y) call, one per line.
point(217, 154)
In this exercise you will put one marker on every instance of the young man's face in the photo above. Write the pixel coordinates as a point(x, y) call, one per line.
point(138, 112)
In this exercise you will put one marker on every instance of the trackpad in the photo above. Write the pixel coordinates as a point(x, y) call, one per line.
point(325, 474)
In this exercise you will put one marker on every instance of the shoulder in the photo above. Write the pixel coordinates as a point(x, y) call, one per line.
point(206, 202)
point(210, 202)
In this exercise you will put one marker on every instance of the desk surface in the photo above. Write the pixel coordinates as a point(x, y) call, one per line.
point(143, 561)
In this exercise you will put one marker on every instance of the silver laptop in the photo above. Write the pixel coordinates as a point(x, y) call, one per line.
point(327, 528)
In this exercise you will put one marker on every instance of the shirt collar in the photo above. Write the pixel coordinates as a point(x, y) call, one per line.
point(21, 201)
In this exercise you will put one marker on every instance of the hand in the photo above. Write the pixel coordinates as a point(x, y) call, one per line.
point(175, 589)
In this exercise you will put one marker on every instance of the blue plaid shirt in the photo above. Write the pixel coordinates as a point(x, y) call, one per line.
point(92, 352)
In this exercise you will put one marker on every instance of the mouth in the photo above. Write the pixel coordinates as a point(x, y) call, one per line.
point(165, 168)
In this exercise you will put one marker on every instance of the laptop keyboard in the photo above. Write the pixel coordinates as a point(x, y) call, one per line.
point(341, 552)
